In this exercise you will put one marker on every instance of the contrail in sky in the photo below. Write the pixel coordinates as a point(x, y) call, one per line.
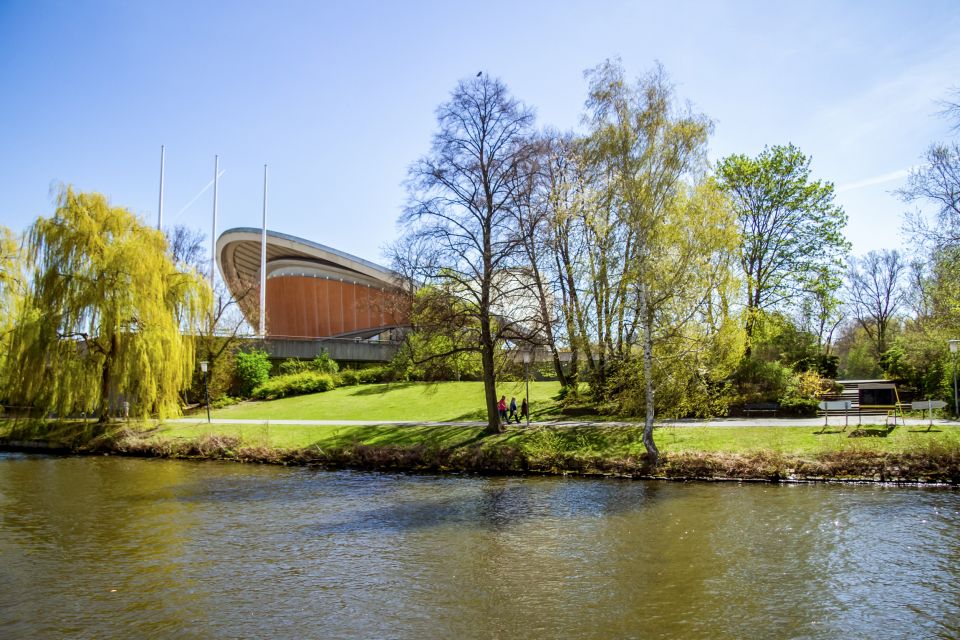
point(869, 182)
point(202, 191)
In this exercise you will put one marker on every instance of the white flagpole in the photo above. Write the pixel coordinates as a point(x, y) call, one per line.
point(263, 261)
point(213, 232)
point(160, 206)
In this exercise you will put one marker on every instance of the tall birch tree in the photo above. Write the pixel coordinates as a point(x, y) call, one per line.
point(648, 154)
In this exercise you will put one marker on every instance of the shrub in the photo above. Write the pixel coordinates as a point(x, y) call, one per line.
point(795, 406)
point(323, 363)
point(803, 393)
point(223, 401)
point(294, 384)
point(349, 377)
point(761, 381)
point(375, 374)
point(252, 370)
point(293, 365)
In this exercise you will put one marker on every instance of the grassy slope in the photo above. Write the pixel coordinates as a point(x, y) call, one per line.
point(442, 401)
point(464, 401)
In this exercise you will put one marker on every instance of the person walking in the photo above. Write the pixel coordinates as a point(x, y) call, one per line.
point(502, 409)
point(513, 411)
point(524, 411)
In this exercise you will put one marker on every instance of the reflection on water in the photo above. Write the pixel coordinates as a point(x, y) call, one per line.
point(105, 547)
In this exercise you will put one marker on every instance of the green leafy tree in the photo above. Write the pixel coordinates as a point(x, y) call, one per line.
point(792, 231)
point(663, 234)
point(441, 343)
point(107, 317)
point(252, 370)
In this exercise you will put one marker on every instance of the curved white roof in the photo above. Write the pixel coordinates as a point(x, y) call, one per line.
point(239, 250)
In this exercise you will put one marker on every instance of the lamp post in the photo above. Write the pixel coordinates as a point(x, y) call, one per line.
point(526, 377)
point(954, 346)
point(206, 391)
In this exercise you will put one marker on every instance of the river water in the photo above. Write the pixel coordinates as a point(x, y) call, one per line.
point(129, 548)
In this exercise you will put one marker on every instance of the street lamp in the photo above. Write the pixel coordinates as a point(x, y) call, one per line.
point(954, 346)
point(206, 391)
point(526, 377)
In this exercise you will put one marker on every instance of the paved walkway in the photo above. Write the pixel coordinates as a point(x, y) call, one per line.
point(717, 422)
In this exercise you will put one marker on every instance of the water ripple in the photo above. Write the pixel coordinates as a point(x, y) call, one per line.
point(160, 549)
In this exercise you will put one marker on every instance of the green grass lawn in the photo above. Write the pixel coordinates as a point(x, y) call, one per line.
point(441, 401)
point(463, 401)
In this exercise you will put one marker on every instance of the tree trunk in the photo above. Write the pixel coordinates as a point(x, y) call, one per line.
point(548, 326)
point(489, 376)
point(653, 454)
point(105, 379)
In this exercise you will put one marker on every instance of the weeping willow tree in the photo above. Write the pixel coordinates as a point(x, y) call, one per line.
point(11, 281)
point(107, 318)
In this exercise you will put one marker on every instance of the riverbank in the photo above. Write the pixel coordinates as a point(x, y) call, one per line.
point(772, 454)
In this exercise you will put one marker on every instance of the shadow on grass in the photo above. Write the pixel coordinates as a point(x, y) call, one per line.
point(380, 389)
point(830, 432)
point(445, 436)
point(881, 432)
point(453, 437)
point(925, 430)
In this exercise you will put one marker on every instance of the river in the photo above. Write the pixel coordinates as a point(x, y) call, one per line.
point(102, 547)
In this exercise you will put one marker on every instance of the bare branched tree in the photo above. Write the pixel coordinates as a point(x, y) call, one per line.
point(535, 215)
point(568, 202)
point(462, 215)
point(224, 327)
point(937, 182)
point(874, 285)
point(186, 248)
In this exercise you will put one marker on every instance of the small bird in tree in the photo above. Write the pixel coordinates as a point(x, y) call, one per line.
point(479, 73)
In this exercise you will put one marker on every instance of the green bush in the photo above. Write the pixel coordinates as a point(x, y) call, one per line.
point(252, 370)
point(323, 363)
point(375, 374)
point(370, 375)
point(294, 384)
point(223, 401)
point(349, 377)
point(803, 392)
point(794, 406)
point(293, 365)
point(759, 381)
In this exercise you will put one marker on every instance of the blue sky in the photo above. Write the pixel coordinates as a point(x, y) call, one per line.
point(339, 98)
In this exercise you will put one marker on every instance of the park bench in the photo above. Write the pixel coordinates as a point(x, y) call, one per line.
point(760, 407)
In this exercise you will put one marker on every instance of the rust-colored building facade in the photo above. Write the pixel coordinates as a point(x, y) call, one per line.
point(313, 291)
